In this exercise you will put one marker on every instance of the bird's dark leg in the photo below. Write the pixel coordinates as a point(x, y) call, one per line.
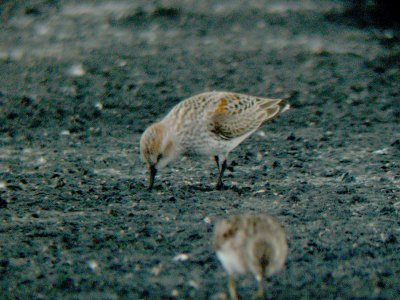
point(232, 288)
point(152, 176)
point(260, 279)
point(260, 292)
point(216, 159)
point(221, 170)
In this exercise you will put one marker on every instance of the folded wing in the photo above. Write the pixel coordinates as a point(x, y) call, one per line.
point(236, 115)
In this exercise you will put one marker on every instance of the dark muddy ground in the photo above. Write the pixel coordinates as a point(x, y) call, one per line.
point(80, 81)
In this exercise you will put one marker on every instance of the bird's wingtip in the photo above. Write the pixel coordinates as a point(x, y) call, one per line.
point(286, 107)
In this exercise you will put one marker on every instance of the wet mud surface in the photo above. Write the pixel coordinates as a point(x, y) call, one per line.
point(81, 81)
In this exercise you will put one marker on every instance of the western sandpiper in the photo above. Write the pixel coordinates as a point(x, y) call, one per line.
point(250, 243)
point(212, 124)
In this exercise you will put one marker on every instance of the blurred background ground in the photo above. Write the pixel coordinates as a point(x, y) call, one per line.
point(81, 80)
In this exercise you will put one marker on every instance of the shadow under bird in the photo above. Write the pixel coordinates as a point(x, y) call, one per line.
point(250, 243)
point(209, 124)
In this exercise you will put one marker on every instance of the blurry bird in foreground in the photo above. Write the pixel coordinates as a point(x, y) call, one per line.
point(250, 243)
point(211, 124)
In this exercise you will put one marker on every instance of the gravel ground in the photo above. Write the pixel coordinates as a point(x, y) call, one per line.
point(81, 80)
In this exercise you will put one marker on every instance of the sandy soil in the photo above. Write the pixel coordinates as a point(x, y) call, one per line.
point(79, 83)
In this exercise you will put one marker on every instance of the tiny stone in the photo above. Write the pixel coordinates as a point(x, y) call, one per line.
point(358, 199)
point(3, 203)
point(291, 137)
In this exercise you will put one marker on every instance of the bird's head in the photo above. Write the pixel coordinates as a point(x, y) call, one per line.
point(224, 231)
point(156, 149)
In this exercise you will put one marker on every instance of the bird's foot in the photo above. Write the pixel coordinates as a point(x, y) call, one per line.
point(220, 185)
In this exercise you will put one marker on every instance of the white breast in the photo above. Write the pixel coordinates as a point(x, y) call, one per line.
point(232, 263)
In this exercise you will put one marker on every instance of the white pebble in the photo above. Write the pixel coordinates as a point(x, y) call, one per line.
point(65, 132)
point(181, 257)
point(207, 220)
point(381, 151)
point(76, 70)
point(93, 265)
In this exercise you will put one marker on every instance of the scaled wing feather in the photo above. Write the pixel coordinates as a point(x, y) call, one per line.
point(236, 114)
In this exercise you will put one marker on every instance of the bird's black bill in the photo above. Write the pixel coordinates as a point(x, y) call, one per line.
point(153, 172)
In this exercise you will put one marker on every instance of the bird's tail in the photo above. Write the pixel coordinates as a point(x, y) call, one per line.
point(273, 107)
